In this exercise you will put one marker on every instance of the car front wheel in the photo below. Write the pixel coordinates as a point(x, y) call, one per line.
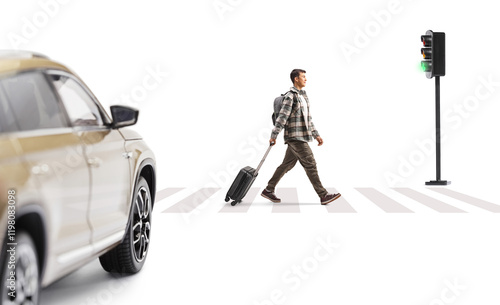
point(20, 272)
point(129, 256)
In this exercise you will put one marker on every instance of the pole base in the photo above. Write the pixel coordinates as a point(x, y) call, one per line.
point(438, 182)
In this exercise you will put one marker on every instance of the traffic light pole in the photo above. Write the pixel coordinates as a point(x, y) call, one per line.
point(438, 180)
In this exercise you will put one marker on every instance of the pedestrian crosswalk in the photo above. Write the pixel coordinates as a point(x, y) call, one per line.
point(429, 201)
point(192, 201)
point(495, 208)
point(384, 202)
point(353, 200)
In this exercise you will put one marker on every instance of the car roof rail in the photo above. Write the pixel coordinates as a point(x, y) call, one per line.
point(21, 54)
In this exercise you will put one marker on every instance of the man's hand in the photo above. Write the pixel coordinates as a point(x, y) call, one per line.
point(272, 142)
point(320, 141)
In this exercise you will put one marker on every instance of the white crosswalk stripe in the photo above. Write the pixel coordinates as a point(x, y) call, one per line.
point(354, 200)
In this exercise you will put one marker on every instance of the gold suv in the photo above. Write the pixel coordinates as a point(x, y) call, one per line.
point(74, 183)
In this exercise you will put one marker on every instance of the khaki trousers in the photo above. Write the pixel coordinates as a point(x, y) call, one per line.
point(298, 151)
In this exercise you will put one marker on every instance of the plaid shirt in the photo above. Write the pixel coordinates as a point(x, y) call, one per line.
point(291, 118)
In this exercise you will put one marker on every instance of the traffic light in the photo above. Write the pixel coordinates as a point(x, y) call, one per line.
point(433, 65)
point(433, 53)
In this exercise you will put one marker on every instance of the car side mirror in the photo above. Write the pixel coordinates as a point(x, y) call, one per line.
point(123, 116)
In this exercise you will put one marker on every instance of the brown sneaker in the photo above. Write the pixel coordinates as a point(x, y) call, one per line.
point(329, 198)
point(270, 195)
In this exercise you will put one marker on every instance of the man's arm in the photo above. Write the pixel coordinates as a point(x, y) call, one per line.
point(320, 140)
point(315, 132)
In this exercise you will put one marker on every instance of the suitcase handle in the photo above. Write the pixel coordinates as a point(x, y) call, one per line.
point(262, 161)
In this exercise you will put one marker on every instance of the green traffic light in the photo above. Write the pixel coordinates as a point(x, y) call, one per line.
point(426, 66)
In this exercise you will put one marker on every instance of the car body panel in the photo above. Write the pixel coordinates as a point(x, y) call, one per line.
point(14, 172)
point(130, 134)
point(16, 65)
point(110, 182)
point(57, 162)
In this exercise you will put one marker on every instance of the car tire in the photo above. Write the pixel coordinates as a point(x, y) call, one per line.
point(25, 288)
point(129, 256)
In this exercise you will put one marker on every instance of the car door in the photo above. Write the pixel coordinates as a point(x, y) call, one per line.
point(106, 156)
point(53, 156)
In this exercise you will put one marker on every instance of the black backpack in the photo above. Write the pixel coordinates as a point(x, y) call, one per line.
point(278, 103)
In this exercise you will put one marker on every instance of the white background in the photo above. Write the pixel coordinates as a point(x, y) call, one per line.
point(211, 116)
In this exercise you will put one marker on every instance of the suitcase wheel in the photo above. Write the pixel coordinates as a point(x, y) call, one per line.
point(235, 202)
point(227, 198)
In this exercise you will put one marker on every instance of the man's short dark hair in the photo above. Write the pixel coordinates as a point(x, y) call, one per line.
point(296, 73)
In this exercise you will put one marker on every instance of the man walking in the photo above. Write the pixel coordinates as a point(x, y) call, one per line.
point(295, 118)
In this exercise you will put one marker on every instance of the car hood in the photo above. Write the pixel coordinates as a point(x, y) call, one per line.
point(130, 134)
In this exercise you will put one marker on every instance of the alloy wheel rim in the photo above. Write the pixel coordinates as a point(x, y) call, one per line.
point(142, 224)
point(26, 282)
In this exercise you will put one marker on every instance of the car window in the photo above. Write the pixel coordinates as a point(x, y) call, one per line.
point(81, 108)
point(28, 103)
point(7, 121)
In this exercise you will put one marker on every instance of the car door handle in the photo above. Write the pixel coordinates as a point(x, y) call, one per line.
point(40, 169)
point(94, 162)
point(127, 155)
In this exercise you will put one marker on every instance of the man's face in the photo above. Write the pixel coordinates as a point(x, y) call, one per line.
point(301, 80)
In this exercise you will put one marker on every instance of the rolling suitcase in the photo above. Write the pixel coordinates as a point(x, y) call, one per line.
point(244, 181)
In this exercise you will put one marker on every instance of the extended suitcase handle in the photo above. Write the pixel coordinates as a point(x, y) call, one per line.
point(262, 161)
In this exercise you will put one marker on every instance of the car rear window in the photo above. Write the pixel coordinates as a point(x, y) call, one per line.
point(29, 103)
point(7, 120)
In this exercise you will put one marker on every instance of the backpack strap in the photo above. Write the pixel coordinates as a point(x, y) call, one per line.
point(294, 94)
point(275, 115)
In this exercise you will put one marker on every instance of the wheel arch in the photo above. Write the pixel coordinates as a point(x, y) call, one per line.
point(147, 170)
point(31, 219)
